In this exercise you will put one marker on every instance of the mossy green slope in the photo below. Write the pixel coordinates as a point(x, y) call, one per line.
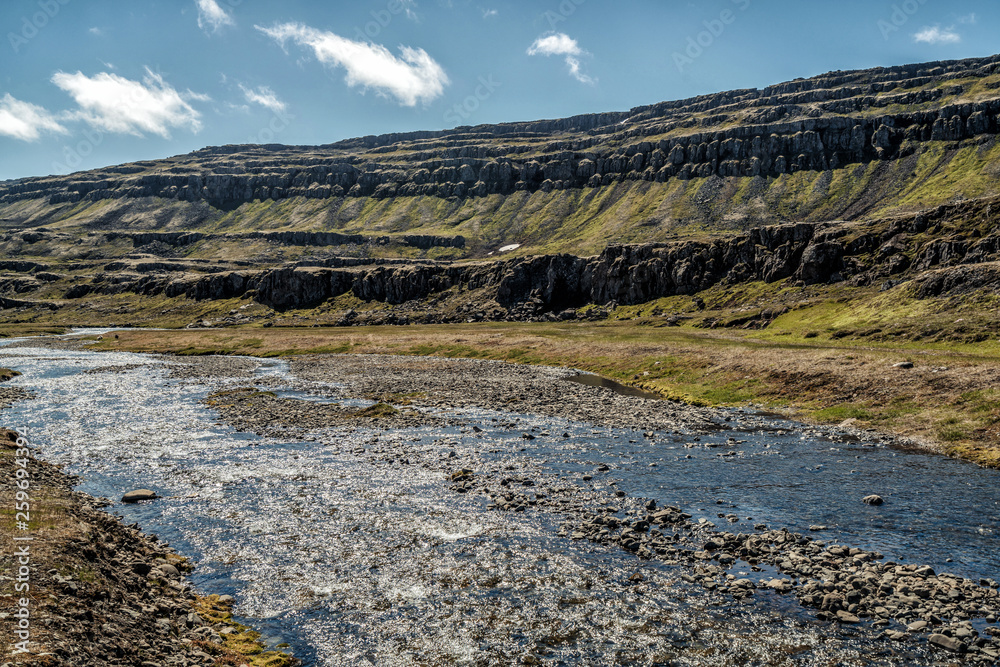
point(579, 221)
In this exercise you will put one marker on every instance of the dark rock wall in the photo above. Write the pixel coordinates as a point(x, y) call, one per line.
point(625, 274)
point(816, 124)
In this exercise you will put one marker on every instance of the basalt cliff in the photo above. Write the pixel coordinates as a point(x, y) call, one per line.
point(866, 178)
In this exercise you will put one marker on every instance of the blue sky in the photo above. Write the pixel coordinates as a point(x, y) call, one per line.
point(90, 83)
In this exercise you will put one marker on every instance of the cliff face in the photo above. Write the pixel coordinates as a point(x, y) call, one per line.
point(771, 149)
point(863, 178)
point(817, 124)
point(542, 286)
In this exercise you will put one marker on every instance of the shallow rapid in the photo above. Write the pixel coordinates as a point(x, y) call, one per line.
point(348, 544)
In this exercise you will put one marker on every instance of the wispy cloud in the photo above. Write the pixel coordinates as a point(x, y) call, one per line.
point(561, 44)
point(115, 104)
point(413, 77)
point(937, 35)
point(490, 13)
point(212, 17)
point(968, 19)
point(97, 32)
point(263, 96)
point(26, 121)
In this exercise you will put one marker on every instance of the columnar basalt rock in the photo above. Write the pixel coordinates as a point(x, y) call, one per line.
point(533, 286)
point(814, 124)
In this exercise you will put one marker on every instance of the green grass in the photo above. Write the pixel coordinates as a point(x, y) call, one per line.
point(583, 221)
point(952, 434)
point(838, 413)
point(377, 411)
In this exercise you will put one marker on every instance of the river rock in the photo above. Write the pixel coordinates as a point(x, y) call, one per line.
point(139, 494)
point(847, 617)
point(948, 643)
point(168, 570)
point(872, 500)
point(780, 585)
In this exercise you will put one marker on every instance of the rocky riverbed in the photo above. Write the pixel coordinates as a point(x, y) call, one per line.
point(102, 592)
point(391, 510)
point(842, 584)
point(437, 383)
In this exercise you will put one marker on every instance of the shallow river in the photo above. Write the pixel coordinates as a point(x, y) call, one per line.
point(353, 559)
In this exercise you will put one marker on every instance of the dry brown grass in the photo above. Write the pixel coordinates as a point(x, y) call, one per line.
point(948, 400)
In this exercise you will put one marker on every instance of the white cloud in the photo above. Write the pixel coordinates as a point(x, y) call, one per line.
point(561, 44)
point(490, 13)
point(212, 17)
point(25, 121)
point(557, 44)
point(968, 19)
point(937, 35)
point(263, 96)
point(574, 69)
point(410, 6)
point(96, 31)
point(115, 104)
point(413, 77)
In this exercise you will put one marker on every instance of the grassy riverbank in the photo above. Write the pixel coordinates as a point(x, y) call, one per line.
point(949, 399)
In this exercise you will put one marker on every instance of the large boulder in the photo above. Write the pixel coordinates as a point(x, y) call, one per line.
point(139, 494)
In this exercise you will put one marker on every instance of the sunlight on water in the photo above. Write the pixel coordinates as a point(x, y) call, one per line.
point(358, 561)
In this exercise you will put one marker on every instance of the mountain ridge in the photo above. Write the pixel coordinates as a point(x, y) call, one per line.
point(822, 125)
point(856, 180)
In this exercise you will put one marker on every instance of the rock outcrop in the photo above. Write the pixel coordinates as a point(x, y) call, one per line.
point(816, 124)
point(806, 253)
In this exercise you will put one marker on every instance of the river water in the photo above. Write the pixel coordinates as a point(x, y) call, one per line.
point(355, 559)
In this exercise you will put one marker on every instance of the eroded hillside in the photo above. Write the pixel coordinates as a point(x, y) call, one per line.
point(845, 145)
point(881, 179)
